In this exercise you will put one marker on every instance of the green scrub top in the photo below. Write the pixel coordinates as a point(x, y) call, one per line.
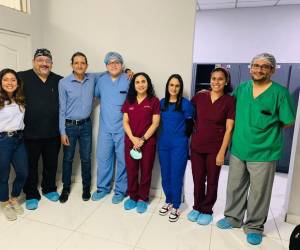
point(257, 135)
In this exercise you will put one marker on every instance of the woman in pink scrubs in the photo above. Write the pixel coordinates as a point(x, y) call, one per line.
point(215, 113)
point(141, 119)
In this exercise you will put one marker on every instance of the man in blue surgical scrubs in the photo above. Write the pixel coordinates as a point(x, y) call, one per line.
point(111, 89)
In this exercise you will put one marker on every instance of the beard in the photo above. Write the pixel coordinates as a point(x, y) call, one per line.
point(261, 79)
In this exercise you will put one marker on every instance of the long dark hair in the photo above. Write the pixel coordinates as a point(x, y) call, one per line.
point(17, 97)
point(131, 96)
point(178, 104)
point(227, 87)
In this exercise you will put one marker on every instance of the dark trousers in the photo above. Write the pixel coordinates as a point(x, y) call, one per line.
point(49, 149)
point(12, 151)
point(205, 171)
point(82, 133)
point(139, 190)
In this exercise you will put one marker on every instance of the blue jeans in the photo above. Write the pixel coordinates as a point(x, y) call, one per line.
point(82, 133)
point(12, 151)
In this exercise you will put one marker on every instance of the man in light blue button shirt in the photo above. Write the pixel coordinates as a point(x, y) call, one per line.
point(76, 93)
point(111, 89)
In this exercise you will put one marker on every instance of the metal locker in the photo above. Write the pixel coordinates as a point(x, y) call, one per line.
point(282, 74)
point(244, 72)
point(201, 77)
point(294, 87)
point(234, 71)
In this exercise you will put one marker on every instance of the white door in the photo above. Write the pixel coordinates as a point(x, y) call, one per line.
point(15, 50)
point(15, 53)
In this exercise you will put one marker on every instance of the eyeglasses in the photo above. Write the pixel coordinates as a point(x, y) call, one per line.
point(113, 63)
point(40, 60)
point(263, 67)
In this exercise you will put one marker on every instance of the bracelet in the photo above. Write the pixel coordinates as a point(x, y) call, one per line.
point(143, 138)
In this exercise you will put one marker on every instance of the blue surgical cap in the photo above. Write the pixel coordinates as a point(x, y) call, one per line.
point(113, 56)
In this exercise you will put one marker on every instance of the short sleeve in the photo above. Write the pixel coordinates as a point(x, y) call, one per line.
point(125, 107)
point(155, 106)
point(235, 91)
point(97, 75)
point(231, 109)
point(161, 103)
point(194, 100)
point(188, 109)
point(97, 90)
point(286, 109)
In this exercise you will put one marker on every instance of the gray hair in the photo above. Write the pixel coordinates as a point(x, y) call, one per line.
point(266, 56)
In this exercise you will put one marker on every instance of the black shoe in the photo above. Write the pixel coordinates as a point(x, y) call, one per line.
point(64, 195)
point(86, 194)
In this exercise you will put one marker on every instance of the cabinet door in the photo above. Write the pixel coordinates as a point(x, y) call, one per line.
point(282, 74)
point(244, 72)
point(294, 87)
point(202, 77)
point(234, 70)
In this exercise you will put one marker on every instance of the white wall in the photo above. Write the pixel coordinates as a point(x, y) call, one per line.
point(29, 24)
point(153, 36)
point(236, 35)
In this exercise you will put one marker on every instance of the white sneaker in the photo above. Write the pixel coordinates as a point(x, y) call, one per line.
point(9, 212)
point(165, 209)
point(18, 208)
point(174, 215)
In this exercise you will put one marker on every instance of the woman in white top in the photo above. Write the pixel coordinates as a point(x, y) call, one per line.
point(12, 148)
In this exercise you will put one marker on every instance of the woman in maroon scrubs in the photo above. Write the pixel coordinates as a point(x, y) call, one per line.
point(141, 119)
point(214, 121)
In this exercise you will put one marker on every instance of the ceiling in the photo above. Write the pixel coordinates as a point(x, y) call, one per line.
point(228, 4)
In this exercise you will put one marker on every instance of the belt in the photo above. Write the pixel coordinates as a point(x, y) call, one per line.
point(11, 133)
point(77, 122)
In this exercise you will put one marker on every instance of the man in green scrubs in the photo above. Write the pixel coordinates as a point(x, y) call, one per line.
point(263, 109)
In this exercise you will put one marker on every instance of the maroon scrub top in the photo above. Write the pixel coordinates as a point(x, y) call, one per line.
point(140, 117)
point(210, 121)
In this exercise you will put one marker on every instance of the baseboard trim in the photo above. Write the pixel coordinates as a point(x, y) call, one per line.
point(293, 219)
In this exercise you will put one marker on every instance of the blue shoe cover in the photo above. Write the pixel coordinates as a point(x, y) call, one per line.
point(98, 195)
point(141, 207)
point(193, 215)
point(117, 198)
point(129, 204)
point(254, 238)
point(32, 204)
point(204, 219)
point(224, 224)
point(52, 196)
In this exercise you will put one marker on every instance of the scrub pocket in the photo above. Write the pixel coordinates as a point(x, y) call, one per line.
point(261, 116)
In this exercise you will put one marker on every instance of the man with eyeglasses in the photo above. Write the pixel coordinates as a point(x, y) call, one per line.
point(41, 131)
point(111, 89)
point(263, 108)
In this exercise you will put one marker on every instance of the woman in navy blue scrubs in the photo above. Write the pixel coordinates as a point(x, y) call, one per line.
point(177, 121)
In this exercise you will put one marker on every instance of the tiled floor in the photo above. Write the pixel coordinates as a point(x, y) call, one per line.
point(101, 225)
